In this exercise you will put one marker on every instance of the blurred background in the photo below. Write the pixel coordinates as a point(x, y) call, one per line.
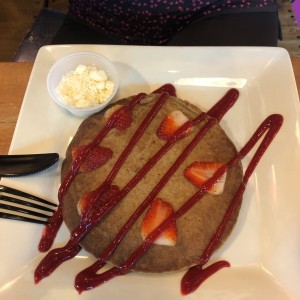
point(17, 17)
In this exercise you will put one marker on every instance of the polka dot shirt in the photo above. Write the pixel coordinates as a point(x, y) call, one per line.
point(152, 22)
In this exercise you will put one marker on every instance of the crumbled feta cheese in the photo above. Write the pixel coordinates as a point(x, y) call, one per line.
point(86, 86)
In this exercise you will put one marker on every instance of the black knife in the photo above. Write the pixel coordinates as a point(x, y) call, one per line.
point(26, 164)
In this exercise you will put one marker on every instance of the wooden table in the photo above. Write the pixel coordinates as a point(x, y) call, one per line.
point(13, 81)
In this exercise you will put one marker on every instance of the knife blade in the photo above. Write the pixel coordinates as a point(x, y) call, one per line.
point(26, 164)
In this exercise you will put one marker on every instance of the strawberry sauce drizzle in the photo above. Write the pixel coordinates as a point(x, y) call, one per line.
point(51, 229)
point(196, 275)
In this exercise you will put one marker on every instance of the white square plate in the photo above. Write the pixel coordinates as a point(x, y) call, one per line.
point(264, 248)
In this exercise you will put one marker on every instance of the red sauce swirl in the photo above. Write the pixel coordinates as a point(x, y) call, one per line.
point(89, 278)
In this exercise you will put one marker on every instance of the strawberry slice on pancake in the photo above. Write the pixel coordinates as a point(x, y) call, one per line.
point(199, 172)
point(158, 211)
point(171, 123)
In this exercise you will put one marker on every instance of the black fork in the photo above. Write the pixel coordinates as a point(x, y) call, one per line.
point(21, 206)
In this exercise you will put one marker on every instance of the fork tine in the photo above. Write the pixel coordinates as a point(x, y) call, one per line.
point(24, 210)
point(21, 218)
point(9, 190)
point(21, 206)
point(26, 203)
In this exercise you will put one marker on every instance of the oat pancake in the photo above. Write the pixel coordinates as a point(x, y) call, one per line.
point(195, 228)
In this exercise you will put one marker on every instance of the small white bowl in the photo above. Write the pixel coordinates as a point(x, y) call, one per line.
point(70, 63)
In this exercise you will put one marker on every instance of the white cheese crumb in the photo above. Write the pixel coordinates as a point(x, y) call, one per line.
point(86, 86)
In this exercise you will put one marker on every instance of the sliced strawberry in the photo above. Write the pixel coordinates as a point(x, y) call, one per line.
point(171, 123)
point(77, 151)
point(96, 199)
point(199, 172)
point(124, 119)
point(86, 202)
point(97, 157)
point(158, 211)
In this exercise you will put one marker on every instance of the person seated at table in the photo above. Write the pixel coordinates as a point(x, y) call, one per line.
point(171, 22)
